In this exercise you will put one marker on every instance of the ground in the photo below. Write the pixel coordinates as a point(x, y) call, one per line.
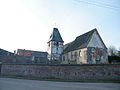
point(21, 84)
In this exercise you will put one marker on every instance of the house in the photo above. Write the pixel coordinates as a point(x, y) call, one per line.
point(87, 48)
point(6, 56)
point(33, 56)
point(5, 52)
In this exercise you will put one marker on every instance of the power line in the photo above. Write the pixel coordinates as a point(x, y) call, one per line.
point(106, 4)
point(99, 4)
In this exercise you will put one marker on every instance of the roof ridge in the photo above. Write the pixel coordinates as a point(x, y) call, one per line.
point(31, 50)
point(88, 32)
point(91, 35)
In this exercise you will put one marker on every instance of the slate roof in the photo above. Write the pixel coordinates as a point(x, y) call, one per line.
point(38, 53)
point(80, 42)
point(5, 52)
point(55, 36)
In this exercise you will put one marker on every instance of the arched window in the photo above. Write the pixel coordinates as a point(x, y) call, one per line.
point(85, 55)
point(63, 58)
point(79, 53)
point(75, 55)
point(57, 44)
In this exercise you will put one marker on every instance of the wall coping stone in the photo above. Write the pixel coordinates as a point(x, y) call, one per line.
point(60, 64)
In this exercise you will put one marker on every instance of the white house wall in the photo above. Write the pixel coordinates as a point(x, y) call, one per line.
point(95, 41)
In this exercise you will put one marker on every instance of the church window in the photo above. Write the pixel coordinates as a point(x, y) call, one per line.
point(71, 55)
point(79, 53)
point(54, 43)
point(57, 44)
point(85, 55)
point(67, 56)
point(75, 54)
point(63, 58)
point(56, 50)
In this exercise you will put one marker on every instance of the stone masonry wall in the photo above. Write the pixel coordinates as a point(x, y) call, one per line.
point(0, 67)
point(72, 72)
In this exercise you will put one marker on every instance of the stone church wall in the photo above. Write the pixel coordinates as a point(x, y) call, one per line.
point(96, 55)
point(67, 72)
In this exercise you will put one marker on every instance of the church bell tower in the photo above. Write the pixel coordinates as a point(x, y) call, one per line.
point(55, 46)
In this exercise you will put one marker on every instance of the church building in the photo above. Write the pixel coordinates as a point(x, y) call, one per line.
point(87, 48)
point(55, 47)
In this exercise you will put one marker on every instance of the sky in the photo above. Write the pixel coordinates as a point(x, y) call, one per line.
point(28, 24)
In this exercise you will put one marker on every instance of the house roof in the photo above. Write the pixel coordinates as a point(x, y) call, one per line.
point(55, 36)
point(5, 52)
point(38, 53)
point(23, 52)
point(80, 41)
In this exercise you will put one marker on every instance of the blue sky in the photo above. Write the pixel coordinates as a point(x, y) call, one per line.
point(27, 24)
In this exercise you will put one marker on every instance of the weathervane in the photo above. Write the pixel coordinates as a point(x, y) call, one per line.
point(55, 24)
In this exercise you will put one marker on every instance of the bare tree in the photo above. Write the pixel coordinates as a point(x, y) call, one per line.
point(119, 52)
point(112, 51)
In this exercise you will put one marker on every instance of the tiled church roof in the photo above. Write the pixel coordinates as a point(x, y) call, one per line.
point(80, 42)
point(55, 36)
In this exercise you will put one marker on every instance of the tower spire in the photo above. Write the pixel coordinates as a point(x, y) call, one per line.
point(55, 24)
point(55, 36)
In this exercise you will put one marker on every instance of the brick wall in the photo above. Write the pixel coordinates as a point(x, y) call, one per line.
point(72, 72)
